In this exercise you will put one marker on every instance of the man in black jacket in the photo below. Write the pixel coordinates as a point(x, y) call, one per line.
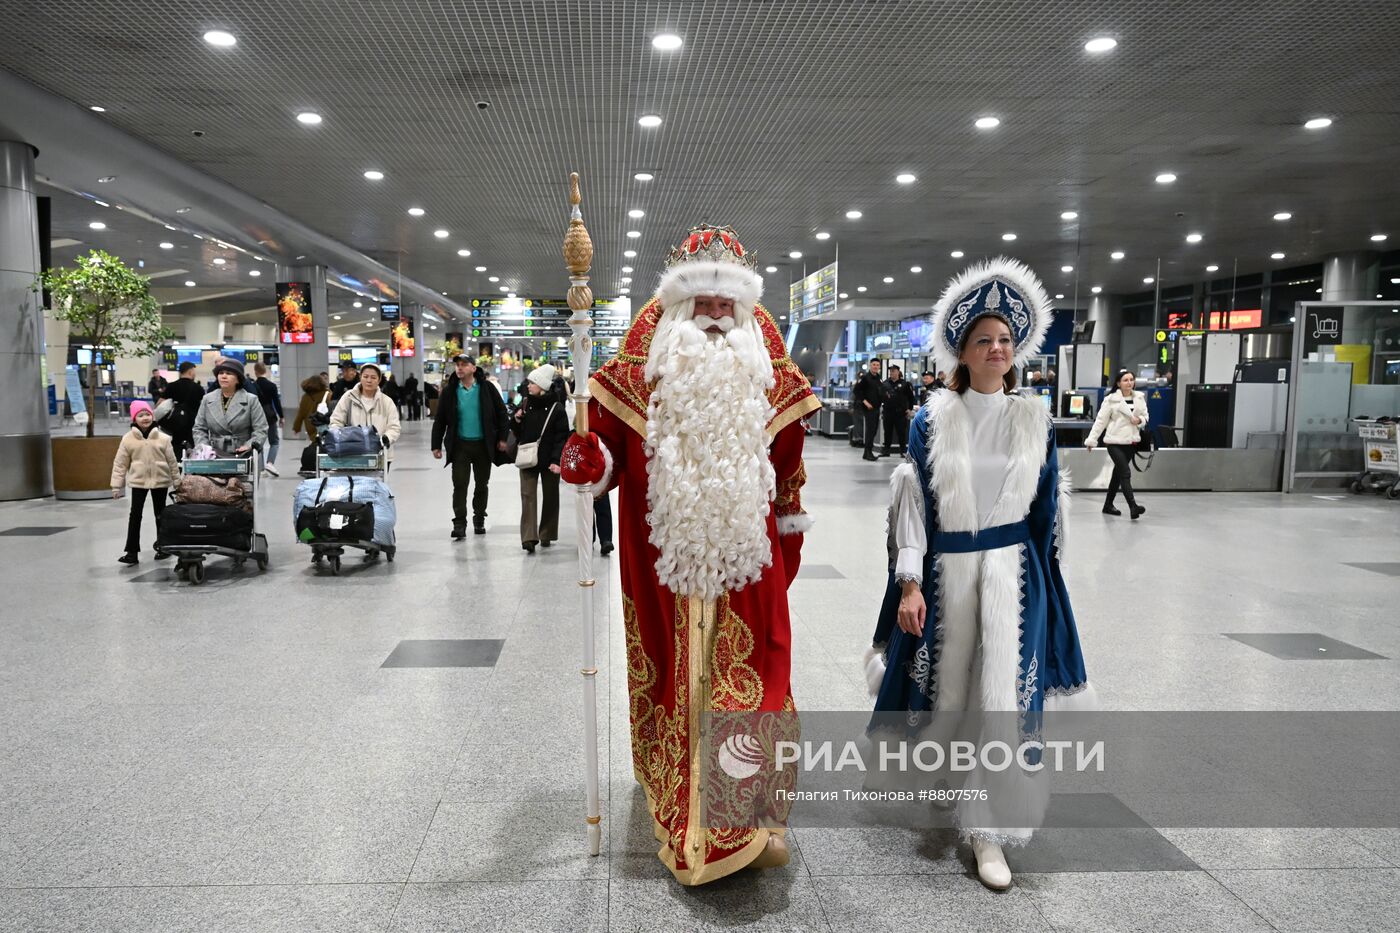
point(897, 405)
point(866, 396)
point(349, 378)
point(471, 426)
point(185, 394)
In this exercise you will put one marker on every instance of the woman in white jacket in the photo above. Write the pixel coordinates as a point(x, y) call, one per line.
point(366, 404)
point(1122, 418)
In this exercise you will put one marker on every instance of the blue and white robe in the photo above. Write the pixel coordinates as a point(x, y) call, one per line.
point(996, 600)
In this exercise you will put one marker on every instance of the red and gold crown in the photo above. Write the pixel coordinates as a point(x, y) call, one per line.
point(716, 244)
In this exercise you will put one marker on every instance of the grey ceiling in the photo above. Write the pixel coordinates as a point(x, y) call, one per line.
point(780, 115)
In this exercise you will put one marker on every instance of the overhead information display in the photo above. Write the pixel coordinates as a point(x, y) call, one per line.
point(546, 318)
point(812, 295)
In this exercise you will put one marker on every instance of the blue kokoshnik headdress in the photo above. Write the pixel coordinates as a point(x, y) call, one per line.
point(1001, 287)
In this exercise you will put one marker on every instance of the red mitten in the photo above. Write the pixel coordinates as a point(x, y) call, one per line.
point(582, 462)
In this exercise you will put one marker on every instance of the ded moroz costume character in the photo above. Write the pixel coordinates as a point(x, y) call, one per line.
point(976, 521)
point(698, 425)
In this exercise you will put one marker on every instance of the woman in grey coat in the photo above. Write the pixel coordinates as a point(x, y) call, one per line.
point(230, 419)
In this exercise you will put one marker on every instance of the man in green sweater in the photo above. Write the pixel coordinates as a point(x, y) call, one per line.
point(470, 428)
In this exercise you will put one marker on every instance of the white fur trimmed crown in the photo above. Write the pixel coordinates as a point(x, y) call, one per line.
point(710, 261)
point(1002, 287)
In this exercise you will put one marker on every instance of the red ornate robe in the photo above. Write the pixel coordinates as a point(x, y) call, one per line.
point(686, 655)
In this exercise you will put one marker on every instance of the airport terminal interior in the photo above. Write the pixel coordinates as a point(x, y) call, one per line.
point(252, 255)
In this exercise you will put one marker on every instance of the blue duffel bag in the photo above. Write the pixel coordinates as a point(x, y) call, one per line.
point(358, 488)
point(353, 440)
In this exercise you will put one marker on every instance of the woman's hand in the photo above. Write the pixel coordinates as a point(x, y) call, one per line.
point(1089, 445)
point(554, 468)
point(116, 493)
point(1136, 420)
point(912, 610)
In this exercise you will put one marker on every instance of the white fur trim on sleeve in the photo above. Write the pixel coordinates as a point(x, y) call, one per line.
point(1081, 699)
point(874, 669)
point(710, 277)
point(798, 524)
point(601, 487)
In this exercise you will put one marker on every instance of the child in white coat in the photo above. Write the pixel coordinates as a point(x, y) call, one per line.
point(145, 462)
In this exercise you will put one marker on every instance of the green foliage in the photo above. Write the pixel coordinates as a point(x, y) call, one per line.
point(108, 305)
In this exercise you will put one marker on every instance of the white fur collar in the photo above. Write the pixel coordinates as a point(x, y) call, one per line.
point(950, 462)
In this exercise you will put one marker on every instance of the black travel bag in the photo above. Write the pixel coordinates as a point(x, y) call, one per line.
point(337, 520)
point(203, 524)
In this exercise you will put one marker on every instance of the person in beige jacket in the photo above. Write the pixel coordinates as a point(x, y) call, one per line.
point(367, 404)
point(1122, 418)
point(146, 462)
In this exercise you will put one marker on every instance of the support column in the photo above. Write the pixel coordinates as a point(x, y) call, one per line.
point(27, 470)
point(300, 361)
point(203, 328)
point(1106, 311)
point(413, 365)
point(1352, 277)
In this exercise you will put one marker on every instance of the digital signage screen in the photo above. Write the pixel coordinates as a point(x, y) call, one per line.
point(294, 319)
point(401, 340)
point(389, 311)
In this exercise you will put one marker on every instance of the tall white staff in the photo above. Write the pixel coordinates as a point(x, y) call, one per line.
point(578, 256)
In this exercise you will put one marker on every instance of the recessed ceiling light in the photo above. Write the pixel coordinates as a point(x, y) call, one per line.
point(795, 254)
point(860, 288)
point(1276, 255)
point(624, 291)
point(416, 212)
point(630, 253)
point(97, 225)
point(105, 204)
point(768, 269)
point(889, 279)
point(667, 41)
point(636, 212)
point(493, 278)
point(1148, 281)
point(1116, 255)
point(254, 273)
point(98, 109)
point(916, 269)
point(634, 234)
point(1100, 44)
point(105, 179)
point(167, 245)
point(356, 304)
point(168, 227)
point(1059, 297)
point(1283, 215)
point(1008, 237)
point(854, 215)
point(1318, 123)
point(1194, 238)
point(441, 234)
point(480, 268)
point(1096, 289)
point(626, 280)
point(1395, 281)
point(649, 120)
point(335, 317)
point(309, 117)
point(369, 323)
point(628, 269)
point(508, 295)
point(956, 254)
point(178, 210)
point(1378, 237)
point(504, 288)
point(1069, 215)
point(643, 176)
point(464, 253)
point(1066, 268)
point(220, 38)
point(844, 295)
point(906, 178)
point(1166, 178)
point(374, 175)
point(189, 284)
point(823, 235)
point(1212, 268)
point(987, 123)
point(219, 260)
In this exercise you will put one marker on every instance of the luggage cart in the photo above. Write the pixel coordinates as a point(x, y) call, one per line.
point(189, 558)
point(374, 465)
point(1382, 458)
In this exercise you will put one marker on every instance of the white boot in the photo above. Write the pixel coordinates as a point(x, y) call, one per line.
point(991, 864)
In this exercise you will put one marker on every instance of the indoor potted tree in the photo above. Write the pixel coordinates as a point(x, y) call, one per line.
point(107, 305)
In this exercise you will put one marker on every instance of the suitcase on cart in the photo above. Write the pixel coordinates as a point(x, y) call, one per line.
point(186, 524)
point(334, 519)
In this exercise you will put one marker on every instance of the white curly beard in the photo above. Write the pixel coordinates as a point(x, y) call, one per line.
point(710, 481)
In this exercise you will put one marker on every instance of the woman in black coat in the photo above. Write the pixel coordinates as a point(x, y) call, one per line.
point(541, 419)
